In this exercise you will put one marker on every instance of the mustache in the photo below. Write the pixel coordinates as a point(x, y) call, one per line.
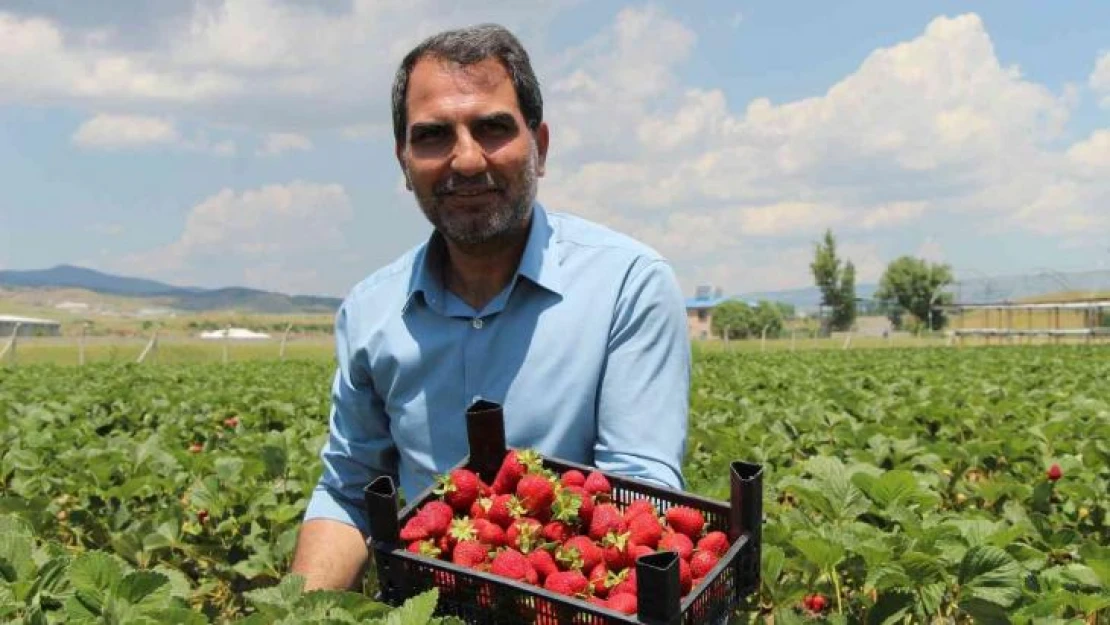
point(468, 184)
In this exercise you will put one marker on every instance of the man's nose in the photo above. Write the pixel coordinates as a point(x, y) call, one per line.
point(469, 158)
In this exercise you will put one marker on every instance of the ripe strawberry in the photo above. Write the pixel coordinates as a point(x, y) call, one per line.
point(513, 467)
point(714, 542)
point(570, 583)
point(686, 520)
point(685, 577)
point(606, 518)
point(536, 493)
point(585, 504)
point(524, 534)
point(424, 548)
point(459, 489)
point(557, 532)
point(679, 543)
point(513, 565)
point(614, 549)
point(543, 562)
point(573, 477)
point(505, 509)
point(470, 553)
point(196, 448)
point(622, 602)
point(480, 508)
point(566, 505)
point(579, 552)
point(232, 422)
point(598, 577)
point(437, 517)
point(460, 529)
point(490, 532)
point(598, 486)
point(815, 603)
point(1054, 473)
point(702, 562)
point(638, 551)
point(639, 506)
point(625, 583)
point(202, 516)
point(645, 529)
point(414, 529)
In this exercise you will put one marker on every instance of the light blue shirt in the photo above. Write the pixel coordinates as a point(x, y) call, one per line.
point(586, 349)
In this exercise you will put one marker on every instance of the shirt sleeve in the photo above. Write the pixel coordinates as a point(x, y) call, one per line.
point(359, 447)
point(643, 398)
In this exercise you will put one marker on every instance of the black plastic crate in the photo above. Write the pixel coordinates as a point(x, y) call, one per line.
point(479, 597)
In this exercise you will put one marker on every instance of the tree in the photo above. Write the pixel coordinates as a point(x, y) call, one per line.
point(767, 315)
point(915, 285)
point(837, 283)
point(732, 319)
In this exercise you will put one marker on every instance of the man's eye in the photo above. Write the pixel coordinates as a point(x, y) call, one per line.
point(426, 135)
point(496, 128)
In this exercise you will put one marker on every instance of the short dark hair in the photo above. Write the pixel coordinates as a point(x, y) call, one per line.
point(467, 46)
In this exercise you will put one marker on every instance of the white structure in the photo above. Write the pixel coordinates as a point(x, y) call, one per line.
point(234, 334)
point(29, 326)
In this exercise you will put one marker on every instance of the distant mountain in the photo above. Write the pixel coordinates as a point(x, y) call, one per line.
point(182, 298)
point(806, 299)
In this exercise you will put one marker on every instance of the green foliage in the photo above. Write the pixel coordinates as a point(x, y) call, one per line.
point(837, 281)
point(915, 285)
point(739, 320)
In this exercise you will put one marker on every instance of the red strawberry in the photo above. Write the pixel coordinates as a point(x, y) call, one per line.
point(702, 562)
point(480, 508)
point(645, 529)
point(470, 553)
point(679, 543)
point(815, 603)
point(557, 532)
point(459, 489)
point(566, 505)
point(490, 532)
point(437, 517)
point(424, 548)
point(536, 493)
point(606, 518)
point(196, 448)
point(414, 529)
point(505, 509)
point(543, 562)
point(524, 534)
point(598, 486)
point(638, 551)
point(513, 467)
point(585, 504)
point(714, 542)
point(1054, 473)
point(614, 549)
point(232, 422)
point(685, 577)
point(202, 516)
point(570, 583)
point(579, 552)
point(598, 577)
point(639, 506)
point(686, 520)
point(573, 477)
point(626, 583)
point(622, 602)
point(461, 529)
point(513, 565)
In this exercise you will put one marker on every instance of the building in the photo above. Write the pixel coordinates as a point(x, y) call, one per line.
point(699, 312)
point(28, 326)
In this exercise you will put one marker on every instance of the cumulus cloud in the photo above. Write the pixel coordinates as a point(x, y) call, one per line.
point(1100, 78)
point(119, 131)
point(281, 142)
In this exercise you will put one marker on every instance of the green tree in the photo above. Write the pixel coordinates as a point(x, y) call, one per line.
point(837, 282)
point(767, 315)
point(732, 319)
point(916, 286)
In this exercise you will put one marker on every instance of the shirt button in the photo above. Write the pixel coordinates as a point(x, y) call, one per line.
point(477, 323)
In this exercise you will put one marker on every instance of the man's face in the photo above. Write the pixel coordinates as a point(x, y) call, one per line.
point(469, 157)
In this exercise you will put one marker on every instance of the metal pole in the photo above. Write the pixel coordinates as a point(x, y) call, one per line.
point(9, 350)
point(227, 337)
point(284, 338)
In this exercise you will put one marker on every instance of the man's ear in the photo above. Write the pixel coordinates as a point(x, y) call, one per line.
point(399, 150)
point(543, 137)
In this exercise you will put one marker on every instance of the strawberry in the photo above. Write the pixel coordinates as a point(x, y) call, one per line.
point(543, 562)
point(504, 509)
point(490, 532)
point(626, 583)
point(614, 549)
point(1054, 473)
point(480, 508)
point(566, 505)
point(470, 553)
point(638, 551)
point(524, 534)
point(573, 477)
point(598, 577)
point(815, 603)
point(414, 529)
point(232, 422)
point(598, 485)
point(579, 552)
point(606, 518)
point(536, 493)
point(686, 520)
point(557, 532)
point(570, 583)
point(639, 506)
point(624, 603)
point(437, 517)
point(645, 529)
point(512, 564)
point(679, 543)
point(459, 489)
point(424, 548)
point(685, 577)
point(702, 562)
point(513, 467)
point(714, 542)
point(585, 504)
point(461, 529)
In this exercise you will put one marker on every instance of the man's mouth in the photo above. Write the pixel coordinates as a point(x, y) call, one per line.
point(470, 192)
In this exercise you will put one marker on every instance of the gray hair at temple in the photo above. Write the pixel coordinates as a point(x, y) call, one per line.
point(467, 46)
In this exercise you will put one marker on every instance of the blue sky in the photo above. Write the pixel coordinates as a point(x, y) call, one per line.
point(247, 142)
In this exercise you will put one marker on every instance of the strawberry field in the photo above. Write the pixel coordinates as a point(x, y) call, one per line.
point(901, 486)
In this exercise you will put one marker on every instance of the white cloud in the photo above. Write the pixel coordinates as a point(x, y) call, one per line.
point(1092, 155)
point(281, 142)
point(124, 131)
point(1100, 78)
point(931, 250)
point(271, 237)
point(893, 214)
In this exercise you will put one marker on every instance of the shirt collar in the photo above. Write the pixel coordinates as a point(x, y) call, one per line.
point(539, 262)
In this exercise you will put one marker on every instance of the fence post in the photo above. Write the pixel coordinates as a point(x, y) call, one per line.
point(763, 339)
point(284, 338)
point(227, 339)
point(9, 350)
point(848, 340)
point(152, 345)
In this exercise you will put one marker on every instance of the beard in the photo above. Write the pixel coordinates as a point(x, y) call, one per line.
point(499, 215)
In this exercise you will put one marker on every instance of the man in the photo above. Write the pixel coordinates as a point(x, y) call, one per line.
point(577, 331)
